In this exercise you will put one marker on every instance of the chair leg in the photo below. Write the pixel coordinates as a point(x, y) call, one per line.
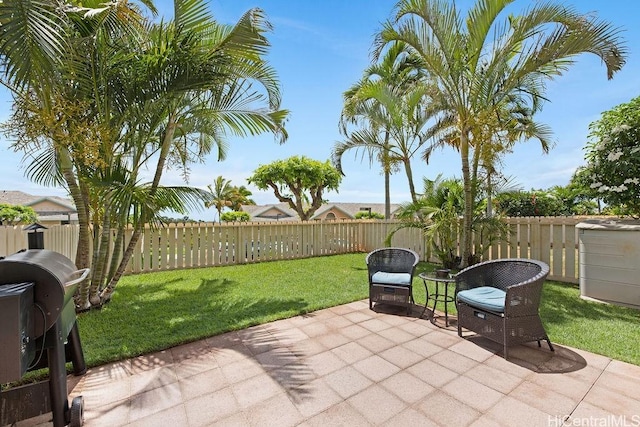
point(550, 346)
point(370, 301)
point(548, 342)
point(504, 339)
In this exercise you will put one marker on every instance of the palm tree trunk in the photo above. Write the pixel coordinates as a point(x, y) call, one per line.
point(137, 232)
point(84, 221)
point(66, 165)
point(478, 149)
point(468, 200)
point(489, 196)
point(387, 194)
point(386, 166)
point(107, 292)
point(100, 264)
point(117, 251)
point(84, 237)
point(412, 188)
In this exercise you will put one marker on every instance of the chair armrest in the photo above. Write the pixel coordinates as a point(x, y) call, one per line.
point(523, 299)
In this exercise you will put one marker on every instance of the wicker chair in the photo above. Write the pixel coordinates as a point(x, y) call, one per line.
point(499, 299)
point(391, 275)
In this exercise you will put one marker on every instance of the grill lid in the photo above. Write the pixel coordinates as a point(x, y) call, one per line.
point(55, 277)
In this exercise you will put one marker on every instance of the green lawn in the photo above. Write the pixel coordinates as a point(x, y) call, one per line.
point(159, 310)
point(605, 329)
point(154, 311)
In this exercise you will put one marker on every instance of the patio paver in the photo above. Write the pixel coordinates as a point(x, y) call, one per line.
point(349, 365)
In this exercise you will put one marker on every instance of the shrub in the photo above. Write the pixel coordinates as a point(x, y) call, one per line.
point(613, 156)
point(368, 215)
point(529, 203)
point(14, 214)
point(235, 216)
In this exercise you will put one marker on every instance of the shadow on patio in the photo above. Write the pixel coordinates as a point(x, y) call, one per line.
point(349, 365)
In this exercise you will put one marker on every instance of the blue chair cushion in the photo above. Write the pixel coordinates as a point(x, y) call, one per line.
point(484, 297)
point(397, 279)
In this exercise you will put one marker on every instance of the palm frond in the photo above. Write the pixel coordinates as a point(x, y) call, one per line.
point(192, 15)
point(42, 167)
point(32, 41)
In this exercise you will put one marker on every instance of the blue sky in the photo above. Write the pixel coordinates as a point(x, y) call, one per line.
point(320, 48)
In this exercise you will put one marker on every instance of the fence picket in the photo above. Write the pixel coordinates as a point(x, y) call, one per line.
point(545, 242)
point(571, 254)
point(557, 250)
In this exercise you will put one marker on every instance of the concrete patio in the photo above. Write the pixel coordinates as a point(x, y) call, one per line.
point(352, 366)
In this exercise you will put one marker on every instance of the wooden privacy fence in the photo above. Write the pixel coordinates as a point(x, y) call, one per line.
point(553, 240)
point(59, 238)
point(208, 244)
point(178, 246)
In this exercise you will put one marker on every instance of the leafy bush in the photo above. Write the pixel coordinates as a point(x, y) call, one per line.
point(613, 155)
point(13, 214)
point(368, 215)
point(529, 203)
point(234, 216)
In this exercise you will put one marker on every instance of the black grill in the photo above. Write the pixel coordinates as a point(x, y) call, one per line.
point(39, 329)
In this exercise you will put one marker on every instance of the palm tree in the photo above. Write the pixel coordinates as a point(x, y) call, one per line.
point(376, 143)
point(58, 114)
point(436, 212)
point(366, 105)
point(241, 196)
point(168, 92)
point(220, 195)
point(397, 131)
point(210, 80)
point(484, 68)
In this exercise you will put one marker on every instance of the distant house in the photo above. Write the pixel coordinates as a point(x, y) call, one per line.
point(326, 212)
point(51, 210)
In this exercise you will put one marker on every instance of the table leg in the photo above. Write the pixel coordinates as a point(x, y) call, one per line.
point(426, 301)
point(435, 302)
point(438, 295)
point(446, 304)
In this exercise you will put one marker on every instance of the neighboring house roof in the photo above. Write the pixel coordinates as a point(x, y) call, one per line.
point(329, 207)
point(275, 212)
point(282, 211)
point(49, 208)
point(351, 209)
point(24, 199)
point(65, 205)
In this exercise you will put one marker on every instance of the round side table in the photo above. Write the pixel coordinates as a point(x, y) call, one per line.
point(441, 294)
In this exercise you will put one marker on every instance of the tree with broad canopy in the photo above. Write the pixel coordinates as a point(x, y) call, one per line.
point(298, 181)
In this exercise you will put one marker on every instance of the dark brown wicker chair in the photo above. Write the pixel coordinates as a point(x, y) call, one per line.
point(391, 276)
point(499, 299)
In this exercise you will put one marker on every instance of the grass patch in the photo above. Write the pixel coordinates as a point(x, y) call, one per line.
point(158, 310)
point(155, 311)
point(599, 328)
